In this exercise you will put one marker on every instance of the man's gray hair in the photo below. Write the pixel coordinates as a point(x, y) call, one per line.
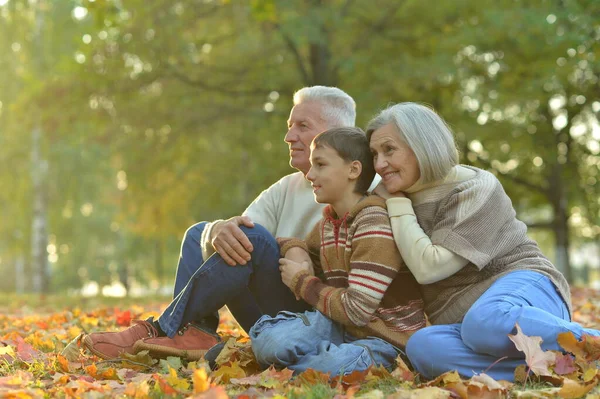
point(338, 108)
point(426, 133)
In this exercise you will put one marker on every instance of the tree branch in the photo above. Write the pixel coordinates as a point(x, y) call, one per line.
point(296, 53)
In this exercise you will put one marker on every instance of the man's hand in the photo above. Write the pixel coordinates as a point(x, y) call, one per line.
point(230, 241)
point(289, 269)
point(383, 193)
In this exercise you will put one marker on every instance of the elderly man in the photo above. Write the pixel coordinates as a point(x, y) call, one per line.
point(243, 273)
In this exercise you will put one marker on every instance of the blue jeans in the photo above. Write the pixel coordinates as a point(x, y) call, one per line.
point(300, 341)
point(249, 291)
point(473, 346)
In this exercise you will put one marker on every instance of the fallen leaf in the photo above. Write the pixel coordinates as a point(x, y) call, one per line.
point(570, 344)
point(123, 318)
point(565, 364)
point(227, 372)
point(537, 360)
point(573, 389)
point(177, 382)
point(200, 380)
point(402, 372)
point(72, 351)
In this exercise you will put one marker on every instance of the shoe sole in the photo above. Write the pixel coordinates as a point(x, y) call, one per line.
point(164, 351)
point(89, 345)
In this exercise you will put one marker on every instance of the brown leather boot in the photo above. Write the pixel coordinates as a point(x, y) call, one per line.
point(110, 345)
point(190, 342)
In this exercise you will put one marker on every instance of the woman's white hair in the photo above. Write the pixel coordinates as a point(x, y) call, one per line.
point(338, 108)
point(426, 133)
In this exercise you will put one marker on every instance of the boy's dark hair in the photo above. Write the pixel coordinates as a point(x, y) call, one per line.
point(351, 144)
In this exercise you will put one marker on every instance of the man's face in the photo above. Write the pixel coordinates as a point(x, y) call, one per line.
point(303, 125)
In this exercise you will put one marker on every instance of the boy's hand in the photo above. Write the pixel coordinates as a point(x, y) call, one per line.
point(289, 269)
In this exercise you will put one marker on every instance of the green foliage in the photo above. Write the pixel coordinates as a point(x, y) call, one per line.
point(157, 115)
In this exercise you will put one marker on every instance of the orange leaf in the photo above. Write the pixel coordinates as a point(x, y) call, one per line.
point(312, 376)
point(123, 318)
point(63, 362)
point(92, 370)
point(164, 386)
point(569, 343)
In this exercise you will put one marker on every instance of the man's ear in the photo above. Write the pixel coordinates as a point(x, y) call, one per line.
point(355, 170)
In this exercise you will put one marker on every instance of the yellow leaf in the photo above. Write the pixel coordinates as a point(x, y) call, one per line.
point(7, 350)
point(176, 382)
point(589, 374)
point(573, 389)
point(200, 380)
point(225, 373)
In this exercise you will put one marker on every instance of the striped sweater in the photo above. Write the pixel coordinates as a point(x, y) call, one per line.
point(363, 282)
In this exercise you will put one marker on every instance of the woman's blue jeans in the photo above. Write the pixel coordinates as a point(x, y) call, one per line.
point(300, 341)
point(249, 291)
point(473, 346)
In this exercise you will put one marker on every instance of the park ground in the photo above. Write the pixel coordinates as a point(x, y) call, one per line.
point(41, 357)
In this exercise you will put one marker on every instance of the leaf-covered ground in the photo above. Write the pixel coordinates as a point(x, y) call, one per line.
point(41, 357)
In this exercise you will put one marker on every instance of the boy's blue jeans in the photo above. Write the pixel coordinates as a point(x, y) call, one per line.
point(249, 291)
point(473, 346)
point(300, 341)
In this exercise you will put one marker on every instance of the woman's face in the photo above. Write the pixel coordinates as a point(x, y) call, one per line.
point(394, 161)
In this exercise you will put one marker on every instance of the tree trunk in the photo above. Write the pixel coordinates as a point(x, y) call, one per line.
point(20, 283)
point(561, 222)
point(39, 226)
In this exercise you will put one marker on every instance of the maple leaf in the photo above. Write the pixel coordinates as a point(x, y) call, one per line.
point(63, 362)
point(537, 360)
point(564, 364)
point(573, 389)
point(164, 385)
point(226, 373)
point(312, 377)
point(402, 372)
point(169, 363)
point(570, 344)
point(123, 318)
point(200, 380)
point(25, 352)
point(176, 382)
point(72, 351)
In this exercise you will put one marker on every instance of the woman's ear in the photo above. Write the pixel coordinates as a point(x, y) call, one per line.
point(355, 170)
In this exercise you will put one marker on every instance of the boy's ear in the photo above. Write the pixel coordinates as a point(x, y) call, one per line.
point(355, 170)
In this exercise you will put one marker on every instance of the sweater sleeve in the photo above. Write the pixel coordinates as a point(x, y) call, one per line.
point(429, 263)
point(374, 262)
point(310, 245)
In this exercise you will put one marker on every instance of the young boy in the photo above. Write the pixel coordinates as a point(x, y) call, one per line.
point(367, 302)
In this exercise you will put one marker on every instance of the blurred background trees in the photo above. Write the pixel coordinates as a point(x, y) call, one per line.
point(123, 123)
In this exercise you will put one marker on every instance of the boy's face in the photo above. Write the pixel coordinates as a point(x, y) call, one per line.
point(330, 175)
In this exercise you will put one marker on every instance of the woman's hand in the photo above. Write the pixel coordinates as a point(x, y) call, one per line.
point(289, 269)
point(383, 193)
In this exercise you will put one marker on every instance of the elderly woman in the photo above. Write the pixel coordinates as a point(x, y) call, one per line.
point(458, 233)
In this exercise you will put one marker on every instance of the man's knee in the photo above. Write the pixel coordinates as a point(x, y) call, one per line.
point(257, 232)
point(194, 232)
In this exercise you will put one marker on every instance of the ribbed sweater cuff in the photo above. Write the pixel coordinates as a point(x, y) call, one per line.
point(285, 244)
point(399, 207)
point(205, 244)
